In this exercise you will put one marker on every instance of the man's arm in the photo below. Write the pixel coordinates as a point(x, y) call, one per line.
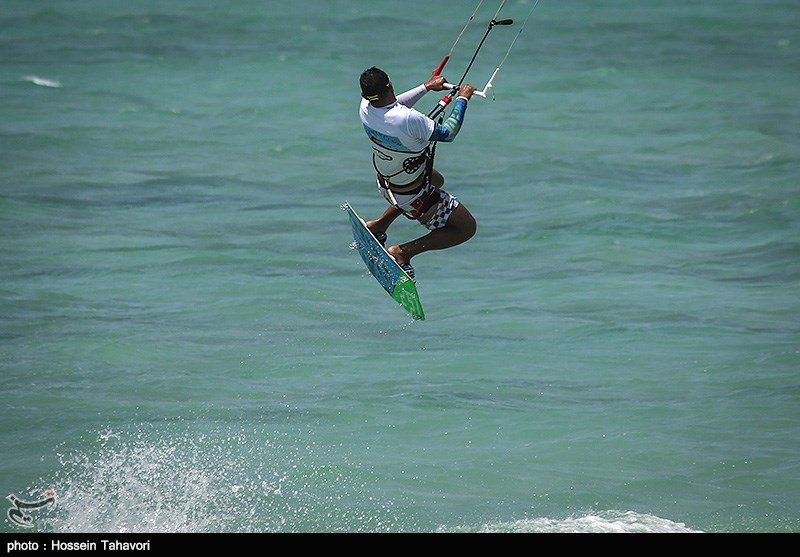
point(410, 97)
point(448, 130)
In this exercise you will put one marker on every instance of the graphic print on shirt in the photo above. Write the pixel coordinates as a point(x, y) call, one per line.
point(386, 141)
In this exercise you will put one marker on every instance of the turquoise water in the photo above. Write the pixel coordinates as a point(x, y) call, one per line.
point(189, 345)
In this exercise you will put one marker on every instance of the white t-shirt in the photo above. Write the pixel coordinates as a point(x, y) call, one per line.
point(400, 135)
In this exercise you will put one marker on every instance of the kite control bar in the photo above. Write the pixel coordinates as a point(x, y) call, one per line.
point(486, 90)
point(454, 88)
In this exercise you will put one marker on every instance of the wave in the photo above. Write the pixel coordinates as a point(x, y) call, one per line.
point(604, 522)
point(43, 82)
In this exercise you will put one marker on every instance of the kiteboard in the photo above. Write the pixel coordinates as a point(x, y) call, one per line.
point(393, 278)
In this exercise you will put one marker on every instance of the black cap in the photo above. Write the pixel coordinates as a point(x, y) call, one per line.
point(374, 83)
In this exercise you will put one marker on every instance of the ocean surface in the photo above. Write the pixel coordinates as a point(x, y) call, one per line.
point(188, 344)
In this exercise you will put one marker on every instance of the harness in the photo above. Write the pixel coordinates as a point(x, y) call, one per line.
point(410, 166)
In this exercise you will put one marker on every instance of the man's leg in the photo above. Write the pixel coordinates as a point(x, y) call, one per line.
point(460, 227)
point(436, 178)
point(382, 223)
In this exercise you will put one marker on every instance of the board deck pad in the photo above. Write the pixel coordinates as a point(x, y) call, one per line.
point(394, 280)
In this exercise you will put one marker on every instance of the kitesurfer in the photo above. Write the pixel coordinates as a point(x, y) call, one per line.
point(402, 142)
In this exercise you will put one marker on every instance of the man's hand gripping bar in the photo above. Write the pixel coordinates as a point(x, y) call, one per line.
point(486, 90)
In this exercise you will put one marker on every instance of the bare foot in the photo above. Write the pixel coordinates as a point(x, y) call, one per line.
point(397, 253)
point(372, 228)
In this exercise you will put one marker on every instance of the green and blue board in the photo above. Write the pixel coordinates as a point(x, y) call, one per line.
point(383, 267)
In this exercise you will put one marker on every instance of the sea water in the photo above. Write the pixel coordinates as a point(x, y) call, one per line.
point(187, 344)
